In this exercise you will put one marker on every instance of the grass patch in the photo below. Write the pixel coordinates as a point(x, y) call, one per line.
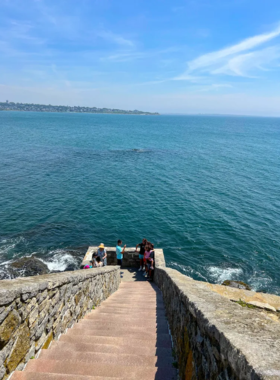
point(244, 304)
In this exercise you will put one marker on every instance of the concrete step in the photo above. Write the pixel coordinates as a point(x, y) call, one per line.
point(96, 369)
point(67, 344)
point(120, 325)
point(77, 337)
point(62, 354)
point(116, 333)
point(18, 375)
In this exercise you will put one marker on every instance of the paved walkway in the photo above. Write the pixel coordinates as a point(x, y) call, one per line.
point(125, 338)
point(132, 274)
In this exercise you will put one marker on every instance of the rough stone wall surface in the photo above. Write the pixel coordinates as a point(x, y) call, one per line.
point(213, 337)
point(36, 310)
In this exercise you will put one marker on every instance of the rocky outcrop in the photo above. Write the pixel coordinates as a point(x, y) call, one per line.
point(29, 266)
point(236, 284)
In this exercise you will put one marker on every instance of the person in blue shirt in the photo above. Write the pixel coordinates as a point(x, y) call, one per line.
point(120, 252)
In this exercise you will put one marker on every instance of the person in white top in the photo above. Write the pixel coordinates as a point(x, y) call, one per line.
point(98, 263)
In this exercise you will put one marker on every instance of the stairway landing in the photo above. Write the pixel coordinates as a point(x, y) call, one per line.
point(125, 338)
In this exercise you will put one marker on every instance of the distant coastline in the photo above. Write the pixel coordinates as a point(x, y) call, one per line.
point(30, 107)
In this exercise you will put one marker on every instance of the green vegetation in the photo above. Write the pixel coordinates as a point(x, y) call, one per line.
point(11, 106)
point(244, 304)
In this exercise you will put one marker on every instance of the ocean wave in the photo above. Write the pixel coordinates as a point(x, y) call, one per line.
point(189, 271)
point(260, 282)
point(219, 275)
point(60, 260)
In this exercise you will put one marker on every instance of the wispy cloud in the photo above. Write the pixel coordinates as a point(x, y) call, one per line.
point(243, 64)
point(130, 55)
point(230, 61)
point(115, 38)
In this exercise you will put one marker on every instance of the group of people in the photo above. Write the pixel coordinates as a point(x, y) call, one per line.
point(99, 258)
point(146, 257)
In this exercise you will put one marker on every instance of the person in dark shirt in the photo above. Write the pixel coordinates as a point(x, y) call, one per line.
point(141, 253)
point(151, 267)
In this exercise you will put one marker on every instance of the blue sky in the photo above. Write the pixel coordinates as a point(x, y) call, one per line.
point(180, 56)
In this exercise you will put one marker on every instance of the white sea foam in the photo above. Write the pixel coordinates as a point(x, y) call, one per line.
point(260, 281)
point(219, 275)
point(6, 245)
point(188, 271)
point(60, 260)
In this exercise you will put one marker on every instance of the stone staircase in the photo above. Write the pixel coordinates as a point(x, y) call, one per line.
point(125, 338)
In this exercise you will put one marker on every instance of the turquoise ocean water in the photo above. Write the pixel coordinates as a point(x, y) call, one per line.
point(206, 189)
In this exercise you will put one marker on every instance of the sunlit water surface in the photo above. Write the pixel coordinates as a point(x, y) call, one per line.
point(204, 188)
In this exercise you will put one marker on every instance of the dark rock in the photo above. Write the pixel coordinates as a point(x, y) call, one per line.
point(236, 284)
point(70, 267)
point(29, 266)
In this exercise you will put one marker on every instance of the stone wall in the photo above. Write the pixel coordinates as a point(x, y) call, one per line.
point(130, 257)
point(36, 310)
point(213, 337)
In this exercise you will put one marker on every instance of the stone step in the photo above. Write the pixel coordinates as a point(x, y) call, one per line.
point(137, 292)
point(96, 369)
point(153, 313)
point(134, 303)
point(134, 300)
point(62, 354)
point(120, 320)
point(120, 325)
point(77, 337)
point(130, 284)
point(18, 375)
point(67, 344)
point(128, 333)
point(133, 295)
point(145, 286)
point(136, 307)
point(123, 317)
point(116, 333)
point(128, 310)
point(138, 284)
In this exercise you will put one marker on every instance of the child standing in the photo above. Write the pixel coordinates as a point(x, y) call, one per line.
point(146, 258)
